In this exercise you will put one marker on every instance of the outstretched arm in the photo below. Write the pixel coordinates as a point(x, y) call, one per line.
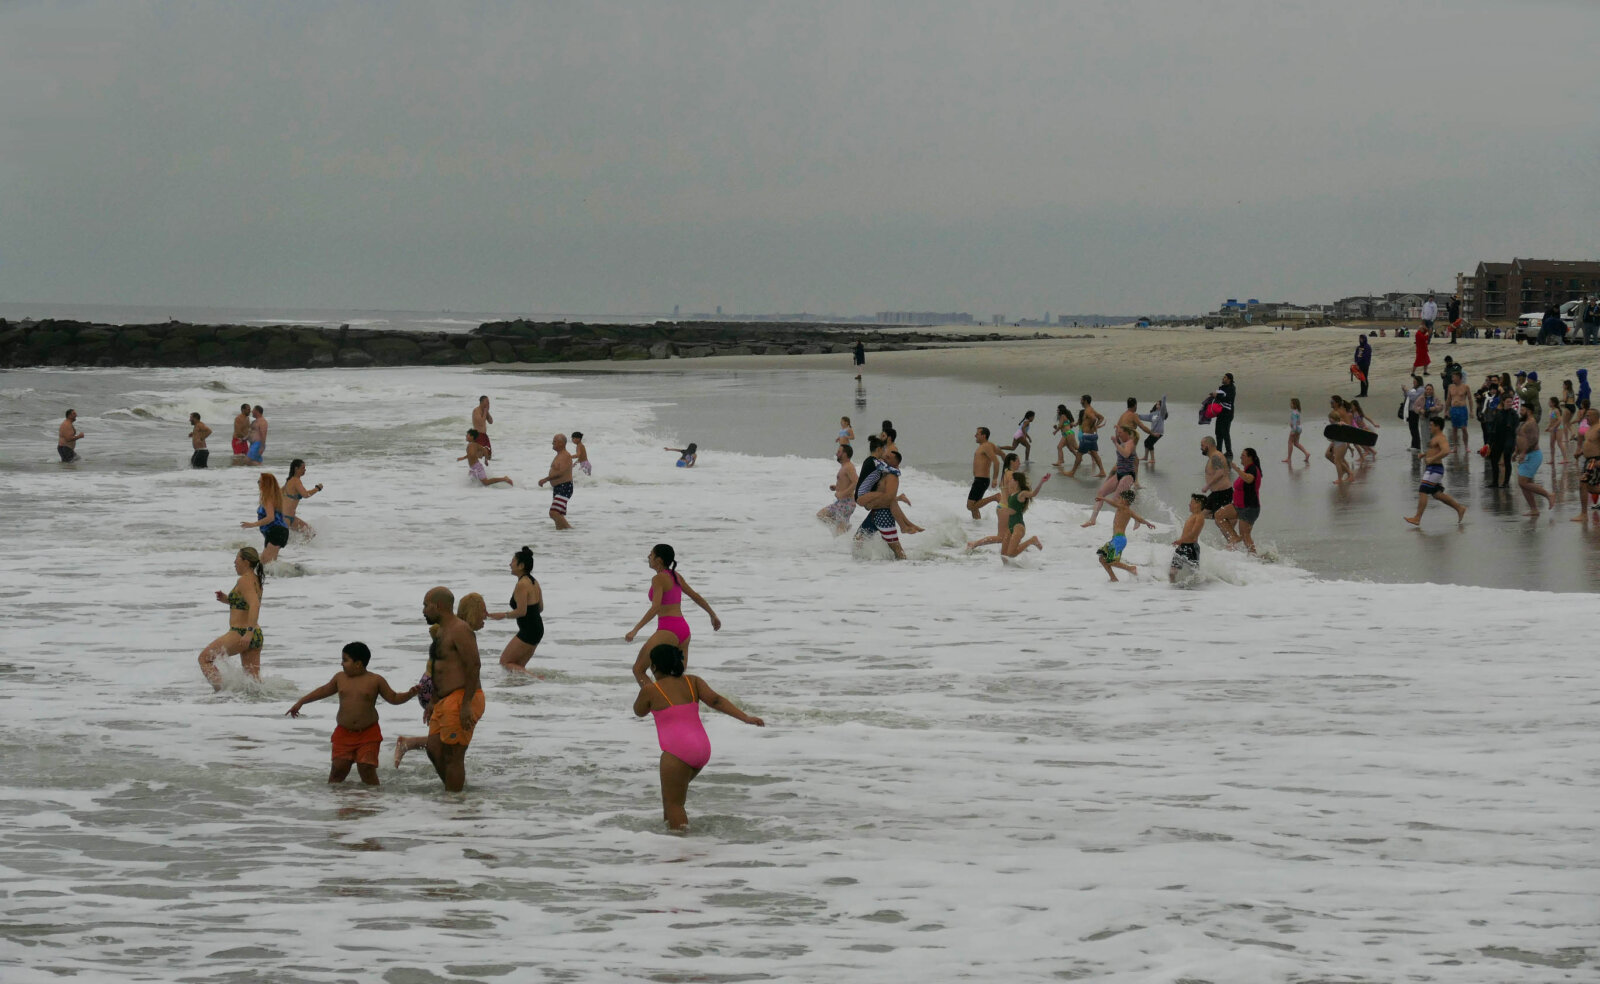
point(715, 700)
point(326, 690)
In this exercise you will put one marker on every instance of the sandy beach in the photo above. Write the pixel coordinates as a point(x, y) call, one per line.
point(1269, 364)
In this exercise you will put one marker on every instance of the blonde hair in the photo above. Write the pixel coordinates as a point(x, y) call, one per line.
point(249, 555)
point(471, 604)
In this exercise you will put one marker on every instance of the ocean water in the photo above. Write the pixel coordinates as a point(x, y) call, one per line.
point(971, 770)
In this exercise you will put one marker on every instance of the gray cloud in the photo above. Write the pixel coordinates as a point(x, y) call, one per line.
point(614, 157)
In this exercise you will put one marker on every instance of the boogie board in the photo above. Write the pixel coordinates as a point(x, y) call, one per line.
point(1345, 434)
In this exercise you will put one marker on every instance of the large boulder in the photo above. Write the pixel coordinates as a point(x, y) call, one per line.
point(502, 350)
point(629, 352)
point(478, 352)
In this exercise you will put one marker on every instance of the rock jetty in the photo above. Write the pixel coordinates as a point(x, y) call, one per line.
point(76, 343)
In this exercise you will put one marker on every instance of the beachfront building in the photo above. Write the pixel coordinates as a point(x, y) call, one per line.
point(923, 318)
point(1502, 291)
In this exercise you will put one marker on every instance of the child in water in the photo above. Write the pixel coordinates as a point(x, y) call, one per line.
point(847, 432)
point(1110, 553)
point(686, 456)
point(580, 454)
point(1186, 548)
point(357, 737)
point(1294, 432)
point(685, 747)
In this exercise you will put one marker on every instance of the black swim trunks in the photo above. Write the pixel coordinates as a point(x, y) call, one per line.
point(1216, 500)
point(277, 536)
point(979, 487)
point(66, 453)
point(1186, 555)
point(199, 458)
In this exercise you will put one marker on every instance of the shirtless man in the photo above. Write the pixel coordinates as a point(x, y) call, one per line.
point(1458, 397)
point(1529, 460)
point(67, 437)
point(198, 432)
point(985, 470)
point(241, 432)
point(560, 481)
point(1339, 413)
point(1433, 473)
point(458, 699)
point(1110, 553)
point(1089, 421)
point(481, 419)
point(879, 498)
point(1186, 548)
point(1218, 488)
point(1130, 417)
point(1589, 455)
point(844, 492)
point(258, 434)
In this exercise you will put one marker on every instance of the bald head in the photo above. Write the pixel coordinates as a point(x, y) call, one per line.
point(438, 605)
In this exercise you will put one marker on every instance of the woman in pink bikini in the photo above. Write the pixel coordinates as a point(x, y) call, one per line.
point(666, 607)
point(685, 748)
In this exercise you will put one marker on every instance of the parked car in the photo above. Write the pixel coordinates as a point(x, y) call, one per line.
point(1528, 324)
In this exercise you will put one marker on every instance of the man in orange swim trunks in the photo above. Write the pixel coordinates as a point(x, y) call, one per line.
point(458, 702)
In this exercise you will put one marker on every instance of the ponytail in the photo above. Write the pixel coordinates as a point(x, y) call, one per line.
point(254, 560)
point(668, 558)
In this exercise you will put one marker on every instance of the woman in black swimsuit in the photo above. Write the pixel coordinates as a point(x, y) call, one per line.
point(527, 602)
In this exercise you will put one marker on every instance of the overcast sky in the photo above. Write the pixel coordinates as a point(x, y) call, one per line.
point(624, 157)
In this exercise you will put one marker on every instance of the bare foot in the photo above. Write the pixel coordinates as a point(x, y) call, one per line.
point(399, 750)
point(1461, 514)
point(1286, 461)
point(1414, 520)
point(1088, 524)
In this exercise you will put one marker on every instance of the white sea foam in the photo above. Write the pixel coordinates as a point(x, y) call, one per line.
point(970, 771)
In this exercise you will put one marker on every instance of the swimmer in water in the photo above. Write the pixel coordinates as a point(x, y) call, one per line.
point(1186, 548)
point(1017, 504)
point(295, 490)
point(667, 588)
point(269, 518)
point(241, 433)
point(685, 747)
point(580, 454)
point(560, 482)
point(686, 456)
point(843, 488)
point(198, 432)
point(471, 610)
point(476, 455)
point(1124, 474)
point(356, 735)
point(243, 638)
point(481, 419)
point(527, 607)
point(67, 437)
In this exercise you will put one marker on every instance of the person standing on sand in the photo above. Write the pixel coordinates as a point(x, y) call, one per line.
point(458, 703)
point(844, 492)
point(1430, 314)
point(860, 358)
point(1421, 360)
point(1413, 403)
point(1530, 459)
point(1453, 310)
point(476, 455)
point(985, 470)
point(1458, 399)
point(1339, 415)
point(241, 432)
point(1227, 394)
point(1433, 474)
point(560, 481)
point(481, 419)
point(198, 432)
point(1589, 456)
point(1363, 363)
point(1294, 433)
point(1089, 421)
point(67, 437)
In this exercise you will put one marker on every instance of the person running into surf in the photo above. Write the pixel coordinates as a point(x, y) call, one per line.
point(1218, 487)
point(1186, 548)
point(527, 607)
point(667, 588)
point(1110, 553)
point(1123, 475)
point(243, 638)
point(475, 457)
point(580, 454)
point(1589, 457)
point(879, 494)
point(685, 746)
point(1245, 508)
point(1069, 434)
point(843, 488)
point(294, 490)
point(269, 518)
point(686, 456)
point(1003, 491)
point(1432, 486)
point(1360, 421)
point(985, 469)
point(1558, 434)
point(1020, 438)
point(1089, 421)
point(1017, 507)
point(356, 735)
point(1294, 433)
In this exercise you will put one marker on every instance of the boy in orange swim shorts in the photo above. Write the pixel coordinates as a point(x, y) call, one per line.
point(445, 721)
point(356, 737)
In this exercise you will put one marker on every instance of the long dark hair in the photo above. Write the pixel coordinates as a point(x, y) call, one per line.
point(525, 558)
point(667, 660)
point(669, 560)
point(297, 465)
point(1021, 479)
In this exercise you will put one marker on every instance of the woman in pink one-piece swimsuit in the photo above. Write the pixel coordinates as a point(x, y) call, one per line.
point(685, 747)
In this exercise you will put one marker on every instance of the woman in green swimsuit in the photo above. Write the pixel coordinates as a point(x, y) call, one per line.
point(1017, 504)
point(243, 638)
